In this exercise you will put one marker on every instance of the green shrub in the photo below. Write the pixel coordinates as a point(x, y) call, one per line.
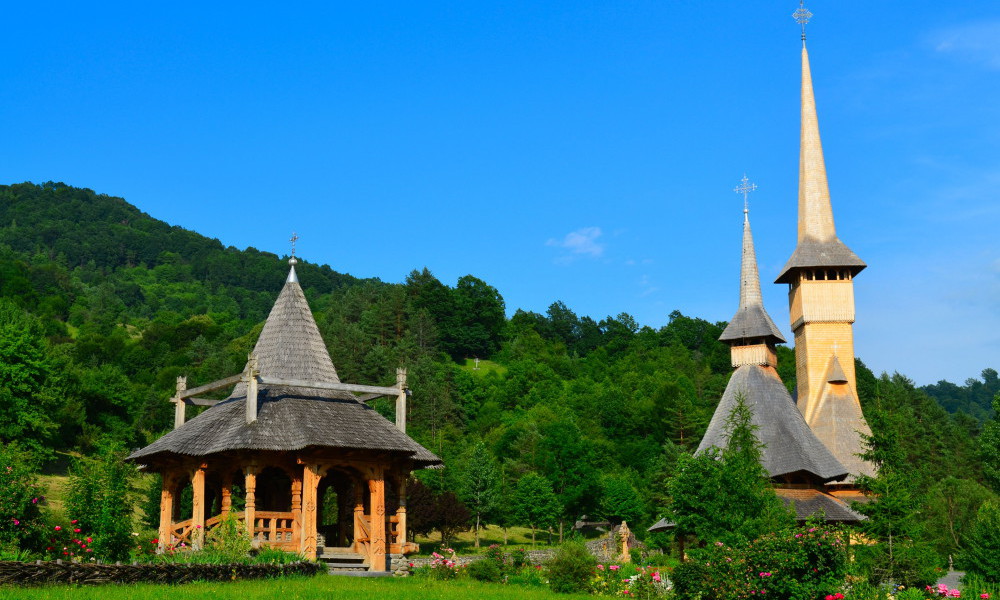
point(229, 539)
point(571, 568)
point(102, 498)
point(519, 558)
point(21, 498)
point(795, 565)
point(485, 570)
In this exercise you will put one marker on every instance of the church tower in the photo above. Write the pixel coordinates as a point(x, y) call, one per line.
point(820, 277)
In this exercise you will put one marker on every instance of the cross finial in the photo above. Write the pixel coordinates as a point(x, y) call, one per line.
point(294, 238)
point(802, 16)
point(745, 187)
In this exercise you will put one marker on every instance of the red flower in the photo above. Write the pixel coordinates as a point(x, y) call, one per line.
point(58, 528)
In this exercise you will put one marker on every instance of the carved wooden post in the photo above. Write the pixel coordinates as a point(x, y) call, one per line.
point(297, 510)
point(179, 402)
point(401, 400)
point(401, 514)
point(198, 508)
point(376, 487)
point(359, 514)
point(250, 378)
point(250, 486)
point(311, 474)
point(166, 512)
point(226, 502)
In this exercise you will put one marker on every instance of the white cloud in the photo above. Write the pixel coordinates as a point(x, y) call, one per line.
point(976, 42)
point(582, 242)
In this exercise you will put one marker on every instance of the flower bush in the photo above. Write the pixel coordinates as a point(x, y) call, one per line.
point(802, 564)
point(628, 581)
point(442, 567)
point(69, 542)
point(20, 501)
point(571, 568)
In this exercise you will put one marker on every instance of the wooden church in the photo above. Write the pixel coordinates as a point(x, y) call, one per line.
point(812, 446)
point(293, 454)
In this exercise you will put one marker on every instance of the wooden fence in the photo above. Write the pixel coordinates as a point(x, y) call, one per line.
point(56, 572)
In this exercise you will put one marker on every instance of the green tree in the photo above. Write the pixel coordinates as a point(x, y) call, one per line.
point(893, 511)
point(726, 496)
point(989, 447)
point(982, 550)
point(620, 501)
point(950, 509)
point(480, 484)
point(26, 398)
point(535, 504)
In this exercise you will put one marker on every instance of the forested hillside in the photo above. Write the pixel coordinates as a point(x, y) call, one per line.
point(102, 306)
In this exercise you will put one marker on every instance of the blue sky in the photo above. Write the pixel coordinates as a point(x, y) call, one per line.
point(575, 151)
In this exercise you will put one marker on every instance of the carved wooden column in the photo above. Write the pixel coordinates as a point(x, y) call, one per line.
point(311, 474)
point(250, 486)
point(376, 487)
point(401, 514)
point(198, 508)
point(359, 514)
point(166, 512)
point(226, 501)
point(297, 510)
point(401, 400)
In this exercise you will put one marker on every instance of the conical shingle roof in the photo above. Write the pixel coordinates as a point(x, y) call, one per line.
point(751, 321)
point(289, 418)
point(790, 448)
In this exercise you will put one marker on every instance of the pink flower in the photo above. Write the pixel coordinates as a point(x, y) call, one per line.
point(656, 577)
point(73, 522)
point(600, 567)
point(955, 593)
point(984, 596)
point(58, 528)
point(614, 567)
point(16, 522)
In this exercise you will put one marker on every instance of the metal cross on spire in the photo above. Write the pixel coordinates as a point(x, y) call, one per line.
point(745, 187)
point(802, 16)
point(294, 238)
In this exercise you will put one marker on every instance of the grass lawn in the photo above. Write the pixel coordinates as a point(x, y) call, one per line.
point(485, 366)
point(323, 587)
point(517, 537)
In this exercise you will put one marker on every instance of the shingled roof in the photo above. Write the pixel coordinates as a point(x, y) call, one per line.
point(837, 420)
point(289, 418)
point(751, 320)
point(813, 253)
point(790, 447)
point(811, 502)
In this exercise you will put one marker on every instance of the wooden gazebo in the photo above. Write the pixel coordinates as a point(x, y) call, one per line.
point(294, 454)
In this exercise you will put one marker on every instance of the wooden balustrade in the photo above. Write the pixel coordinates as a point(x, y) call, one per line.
point(270, 528)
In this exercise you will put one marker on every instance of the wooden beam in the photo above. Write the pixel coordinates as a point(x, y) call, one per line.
point(340, 387)
point(208, 387)
point(200, 401)
point(250, 376)
point(401, 392)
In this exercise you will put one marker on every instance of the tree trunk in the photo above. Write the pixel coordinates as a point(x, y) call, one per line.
point(560, 531)
point(532, 535)
point(477, 530)
point(504, 536)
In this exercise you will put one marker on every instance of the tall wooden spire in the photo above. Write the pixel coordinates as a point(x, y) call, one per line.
point(751, 333)
point(820, 275)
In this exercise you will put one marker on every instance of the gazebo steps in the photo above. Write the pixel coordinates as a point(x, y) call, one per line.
point(339, 562)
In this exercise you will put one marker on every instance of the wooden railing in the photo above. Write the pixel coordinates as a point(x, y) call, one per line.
point(275, 529)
